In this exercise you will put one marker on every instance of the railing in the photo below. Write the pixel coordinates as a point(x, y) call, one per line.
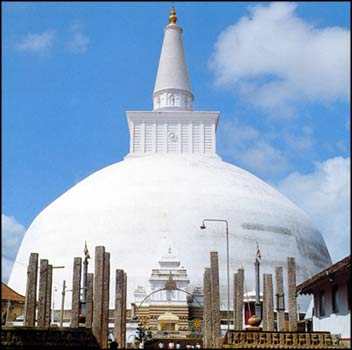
point(280, 340)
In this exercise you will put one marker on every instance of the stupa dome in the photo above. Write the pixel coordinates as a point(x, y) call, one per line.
point(137, 207)
point(159, 194)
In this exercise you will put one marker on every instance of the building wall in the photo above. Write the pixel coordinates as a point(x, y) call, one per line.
point(15, 309)
point(336, 323)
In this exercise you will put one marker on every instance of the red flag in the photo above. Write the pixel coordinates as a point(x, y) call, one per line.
point(257, 253)
point(86, 253)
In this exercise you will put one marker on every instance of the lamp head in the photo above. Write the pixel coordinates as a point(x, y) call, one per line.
point(203, 227)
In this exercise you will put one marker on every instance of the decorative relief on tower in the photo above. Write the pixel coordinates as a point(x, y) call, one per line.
point(170, 99)
point(173, 137)
point(178, 99)
point(186, 102)
point(157, 102)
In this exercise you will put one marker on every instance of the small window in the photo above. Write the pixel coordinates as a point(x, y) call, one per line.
point(321, 303)
point(335, 298)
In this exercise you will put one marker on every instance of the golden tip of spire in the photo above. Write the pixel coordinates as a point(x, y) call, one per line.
point(172, 17)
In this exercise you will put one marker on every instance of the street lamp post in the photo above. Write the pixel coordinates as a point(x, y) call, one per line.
point(53, 311)
point(64, 291)
point(227, 262)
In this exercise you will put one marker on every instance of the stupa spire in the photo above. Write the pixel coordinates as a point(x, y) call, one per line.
point(172, 17)
point(172, 87)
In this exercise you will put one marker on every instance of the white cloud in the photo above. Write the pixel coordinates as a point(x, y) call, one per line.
point(302, 142)
point(12, 234)
point(276, 59)
point(252, 149)
point(325, 196)
point(265, 159)
point(79, 41)
point(36, 42)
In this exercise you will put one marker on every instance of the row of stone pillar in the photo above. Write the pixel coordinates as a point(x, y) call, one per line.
point(44, 293)
point(268, 299)
point(97, 301)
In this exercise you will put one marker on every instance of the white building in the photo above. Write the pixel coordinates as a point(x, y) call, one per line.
point(168, 305)
point(331, 290)
point(169, 267)
point(171, 179)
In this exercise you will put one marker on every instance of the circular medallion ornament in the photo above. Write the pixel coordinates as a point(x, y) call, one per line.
point(172, 137)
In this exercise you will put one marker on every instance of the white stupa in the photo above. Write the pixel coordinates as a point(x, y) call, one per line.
point(159, 194)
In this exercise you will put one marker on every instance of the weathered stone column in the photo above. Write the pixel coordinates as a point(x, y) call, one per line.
point(89, 302)
point(292, 303)
point(98, 292)
point(269, 303)
point(239, 299)
point(48, 296)
point(215, 296)
point(119, 295)
point(133, 311)
point(280, 300)
point(106, 292)
point(31, 291)
point(234, 299)
point(42, 295)
point(264, 305)
point(76, 291)
point(257, 305)
point(124, 313)
point(207, 315)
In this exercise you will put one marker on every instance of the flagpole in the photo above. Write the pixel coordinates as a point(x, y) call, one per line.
point(84, 282)
point(258, 309)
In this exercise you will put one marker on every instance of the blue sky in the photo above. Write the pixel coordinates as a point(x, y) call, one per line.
point(278, 73)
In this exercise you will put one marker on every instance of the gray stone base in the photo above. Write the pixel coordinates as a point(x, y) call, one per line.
point(40, 338)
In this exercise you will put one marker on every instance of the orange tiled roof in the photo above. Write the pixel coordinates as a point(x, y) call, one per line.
point(8, 293)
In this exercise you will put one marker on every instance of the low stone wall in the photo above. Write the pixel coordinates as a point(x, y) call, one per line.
point(40, 338)
point(280, 340)
point(154, 343)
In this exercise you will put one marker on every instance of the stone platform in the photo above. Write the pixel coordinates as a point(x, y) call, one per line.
point(280, 340)
point(40, 338)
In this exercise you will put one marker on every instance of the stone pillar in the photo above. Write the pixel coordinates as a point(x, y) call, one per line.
point(292, 303)
point(280, 300)
point(89, 303)
point(234, 300)
point(31, 291)
point(48, 296)
point(239, 299)
point(133, 311)
point(119, 296)
point(269, 303)
point(106, 292)
point(42, 295)
point(207, 316)
point(215, 296)
point(124, 313)
point(264, 305)
point(98, 292)
point(76, 292)
point(258, 306)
